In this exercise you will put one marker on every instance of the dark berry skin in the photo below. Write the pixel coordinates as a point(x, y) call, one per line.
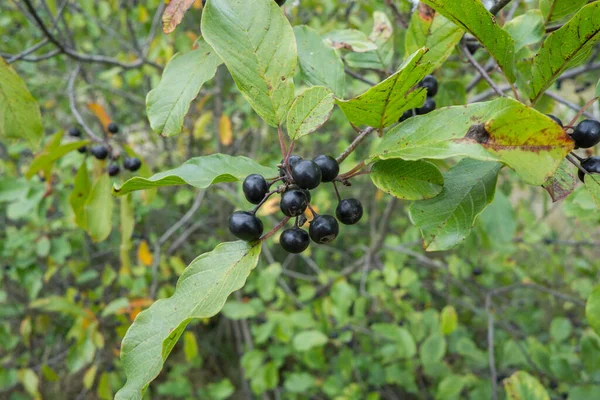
point(349, 211)
point(113, 169)
point(82, 149)
point(323, 229)
point(430, 84)
point(477, 271)
point(586, 134)
point(255, 188)
point(245, 226)
point(472, 47)
point(99, 151)
point(293, 160)
point(591, 165)
point(132, 163)
point(555, 119)
point(75, 132)
point(280, 2)
point(294, 240)
point(306, 174)
point(293, 203)
point(428, 107)
point(112, 128)
point(329, 167)
point(407, 114)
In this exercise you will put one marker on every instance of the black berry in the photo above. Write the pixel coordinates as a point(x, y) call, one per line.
point(306, 174)
point(428, 107)
point(472, 47)
point(294, 240)
point(245, 226)
point(255, 188)
point(293, 160)
point(591, 165)
point(293, 203)
point(555, 119)
point(323, 229)
point(477, 271)
point(349, 211)
point(329, 167)
point(430, 84)
point(132, 163)
point(113, 169)
point(99, 151)
point(280, 2)
point(112, 127)
point(407, 114)
point(586, 134)
point(82, 149)
point(75, 132)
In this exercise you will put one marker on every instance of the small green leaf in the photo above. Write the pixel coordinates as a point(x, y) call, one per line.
point(473, 17)
point(190, 346)
point(526, 29)
point(307, 340)
point(51, 153)
point(554, 10)
point(433, 349)
point(256, 42)
point(592, 309)
point(350, 39)
point(565, 48)
point(309, 111)
point(199, 172)
point(409, 180)
point(522, 386)
point(449, 320)
point(236, 310)
point(80, 194)
point(181, 82)
point(560, 329)
point(383, 104)
point(114, 306)
point(320, 64)
point(299, 382)
point(406, 346)
point(382, 36)
point(200, 293)
point(98, 209)
point(447, 219)
point(592, 184)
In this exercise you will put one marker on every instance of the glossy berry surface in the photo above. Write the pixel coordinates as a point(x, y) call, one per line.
point(293, 203)
point(586, 134)
point(407, 114)
point(294, 240)
point(428, 107)
point(75, 132)
point(280, 2)
point(255, 188)
point(82, 149)
point(306, 174)
point(349, 211)
point(591, 165)
point(112, 128)
point(245, 226)
point(132, 163)
point(113, 169)
point(293, 160)
point(323, 229)
point(99, 151)
point(430, 84)
point(555, 119)
point(329, 167)
point(472, 47)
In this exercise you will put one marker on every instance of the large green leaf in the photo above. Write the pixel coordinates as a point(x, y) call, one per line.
point(181, 82)
point(474, 18)
point(98, 209)
point(500, 130)
point(320, 64)
point(565, 48)
point(201, 292)
point(384, 103)
point(526, 29)
point(592, 183)
point(592, 309)
point(447, 219)
point(20, 116)
point(554, 10)
point(80, 194)
point(522, 386)
point(410, 180)
point(256, 42)
point(309, 111)
point(382, 36)
point(199, 172)
point(433, 31)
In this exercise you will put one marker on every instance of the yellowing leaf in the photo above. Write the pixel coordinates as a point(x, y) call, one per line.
point(100, 113)
point(90, 376)
point(144, 255)
point(225, 133)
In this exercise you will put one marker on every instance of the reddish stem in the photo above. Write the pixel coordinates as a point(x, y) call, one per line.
point(275, 229)
point(580, 113)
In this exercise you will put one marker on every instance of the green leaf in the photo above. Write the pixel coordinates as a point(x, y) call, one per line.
point(199, 172)
point(433, 349)
point(449, 320)
point(433, 31)
point(500, 130)
point(562, 183)
point(522, 386)
point(114, 306)
point(560, 329)
point(592, 309)
point(190, 346)
point(382, 36)
point(499, 220)
point(80, 194)
point(307, 340)
point(526, 29)
point(20, 116)
point(309, 111)
point(554, 10)
point(181, 82)
point(410, 180)
point(235, 310)
point(256, 42)
point(383, 104)
point(350, 39)
point(406, 346)
point(52, 152)
point(474, 18)
point(299, 382)
point(592, 184)
point(30, 381)
point(200, 293)
point(320, 64)
point(447, 219)
point(98, 209)
point(565, 48)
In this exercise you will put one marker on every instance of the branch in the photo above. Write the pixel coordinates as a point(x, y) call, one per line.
point(358, 77)
point(73, 105)
point(496, 8)
point(480, 69)
point(567, 103)
point(363, 134)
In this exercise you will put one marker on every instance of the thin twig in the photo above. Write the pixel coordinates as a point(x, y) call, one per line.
point(582, 111)
point(73, 105)
point(567, 103)
point(358, 77)
point(362, 135)
point(275, 229)
point(496, 8)
point(480, 69)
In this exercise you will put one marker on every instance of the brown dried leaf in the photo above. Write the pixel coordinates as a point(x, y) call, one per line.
point(174, 14)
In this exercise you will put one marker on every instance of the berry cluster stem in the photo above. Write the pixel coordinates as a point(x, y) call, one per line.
point(363, 134)
point(580, 113)
point(281, 141)
point(275, 229)
point(352, 172)
point(259, 205)
point(575, 163)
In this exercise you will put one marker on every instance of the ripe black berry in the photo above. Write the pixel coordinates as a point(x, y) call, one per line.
point(555, 119)
point(428, 107)
point(132, 163)
point(323, 229)
point(82, 149)
point(430, 84)
point(586, 134)
point(75, 132)
point(591, 165)
point(113, 169)
point(306, 174)
point(112, 127)
point(349, 211)
point(472, 47)
point(329, 167)
point(99, 151)
point(293, 160)
point(407, 114)
point(294, 240)
point(293, 203)
point(245, 226)
point(255, 188)
point(280, 2)
point(477, 271)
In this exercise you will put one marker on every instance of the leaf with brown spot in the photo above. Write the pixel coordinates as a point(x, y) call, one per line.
point(174, 13)
point(562, 183)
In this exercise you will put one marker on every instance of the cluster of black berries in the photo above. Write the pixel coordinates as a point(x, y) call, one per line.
point(431, 85)
point(279, 2)
point(101, 152)
point(298, 176)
